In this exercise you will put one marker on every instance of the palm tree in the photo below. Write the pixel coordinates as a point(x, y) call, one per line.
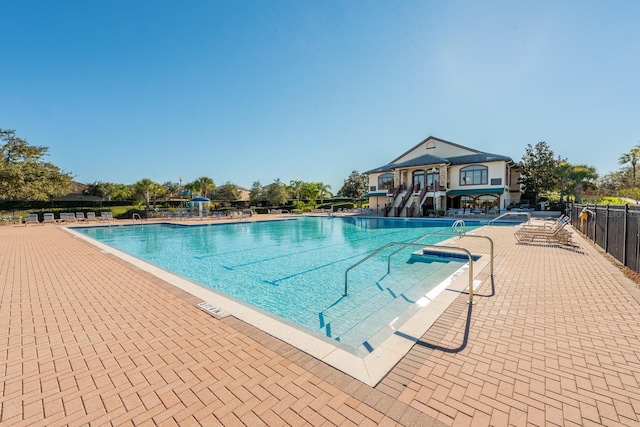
point(121, 192)
point(146, 188)
point(632, 157)
point(323, 189)
point(296, 185)
point(582, 177)
point(563, 170)
point(204, 185)
point(309, 191)
point(157, 190)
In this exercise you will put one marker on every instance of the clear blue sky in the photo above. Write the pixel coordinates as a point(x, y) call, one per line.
point(243, 91)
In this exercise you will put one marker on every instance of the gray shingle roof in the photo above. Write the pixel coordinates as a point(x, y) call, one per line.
point(426, 159)
point(478, 158)
point(385, 168)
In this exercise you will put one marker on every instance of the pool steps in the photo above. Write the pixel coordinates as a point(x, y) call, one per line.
point(397, 292)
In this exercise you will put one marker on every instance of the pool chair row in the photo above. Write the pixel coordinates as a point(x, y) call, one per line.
point(550, 233)
point(66, 217)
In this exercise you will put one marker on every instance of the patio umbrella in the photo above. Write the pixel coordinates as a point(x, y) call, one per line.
point(200, 199)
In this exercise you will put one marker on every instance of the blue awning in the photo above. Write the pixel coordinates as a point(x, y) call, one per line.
point(375, 194)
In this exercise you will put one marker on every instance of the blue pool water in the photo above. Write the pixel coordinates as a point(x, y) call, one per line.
point(295, 268)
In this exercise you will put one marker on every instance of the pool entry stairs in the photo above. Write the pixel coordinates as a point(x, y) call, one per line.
point(380, 303)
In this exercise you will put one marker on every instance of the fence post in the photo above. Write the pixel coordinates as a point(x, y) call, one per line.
point(637, 245)
point(606, 230)
point(624, 236)
point(595, 222)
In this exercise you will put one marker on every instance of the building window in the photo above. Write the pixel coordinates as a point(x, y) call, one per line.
point(432, 175)
point(474, 175)
point(418, 180)
point(385, 181)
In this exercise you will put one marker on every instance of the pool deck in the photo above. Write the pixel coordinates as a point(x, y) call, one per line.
point(90, 339)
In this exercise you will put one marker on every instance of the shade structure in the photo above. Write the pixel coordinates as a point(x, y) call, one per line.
point(200, 199)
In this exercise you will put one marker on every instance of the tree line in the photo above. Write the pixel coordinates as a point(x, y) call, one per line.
point(25, 175)
point(544, 175)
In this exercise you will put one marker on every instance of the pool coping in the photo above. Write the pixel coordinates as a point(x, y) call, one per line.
point(370, 369)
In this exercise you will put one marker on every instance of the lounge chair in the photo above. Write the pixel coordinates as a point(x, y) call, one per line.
point(555, 234)
point(105, 216)
point(48, 218)
point(67, 217)
point(31, 219)
point(91, 216)
point(562, 220)
point(80, 216)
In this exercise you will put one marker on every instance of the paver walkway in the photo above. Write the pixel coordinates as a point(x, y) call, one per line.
point(87, 339)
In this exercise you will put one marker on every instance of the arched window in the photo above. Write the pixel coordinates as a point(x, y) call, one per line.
point(474, 175)
point(385, 181)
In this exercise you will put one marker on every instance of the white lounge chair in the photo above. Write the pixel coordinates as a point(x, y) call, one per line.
point(91, 216)
point(48, 218)
point(31, 219)
point(554, 234)
point(105, 216)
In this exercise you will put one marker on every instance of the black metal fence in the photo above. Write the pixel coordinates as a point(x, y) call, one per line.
point(615, 228)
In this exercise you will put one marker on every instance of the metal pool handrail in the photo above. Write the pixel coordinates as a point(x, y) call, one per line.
point(454, 248)
point(461, 236)
point(459, 227)
point(511, 213)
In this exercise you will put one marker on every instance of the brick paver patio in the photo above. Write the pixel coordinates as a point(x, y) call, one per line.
point(87, 339)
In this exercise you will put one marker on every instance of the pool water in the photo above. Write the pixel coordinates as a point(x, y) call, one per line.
point(295, 269)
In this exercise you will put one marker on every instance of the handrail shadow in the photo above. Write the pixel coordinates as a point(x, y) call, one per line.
point(493, 290)
point(462, 346)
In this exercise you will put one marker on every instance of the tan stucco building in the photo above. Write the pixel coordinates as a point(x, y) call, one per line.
point(443, 176)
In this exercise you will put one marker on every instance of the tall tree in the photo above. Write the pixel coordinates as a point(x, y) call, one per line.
point(613, 182)
point(631, 157)
point(276, 193)
point(228, 192)
point(355, 186)
point(99, 189)
point(25, 175)
point(538, 167)
point(256, 194)
point(171, 190)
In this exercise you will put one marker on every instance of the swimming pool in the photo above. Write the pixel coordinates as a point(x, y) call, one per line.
point(295, 269)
